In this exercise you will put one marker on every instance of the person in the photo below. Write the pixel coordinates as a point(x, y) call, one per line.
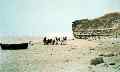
point(53, 42)
point(30, 42)
point(44, 41)
point(56, 38)
point(59, 39)
point(65, 38)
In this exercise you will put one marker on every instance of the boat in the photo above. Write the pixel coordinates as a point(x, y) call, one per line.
point(14, 46)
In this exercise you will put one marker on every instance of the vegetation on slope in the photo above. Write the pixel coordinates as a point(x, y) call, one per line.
point(107, 21)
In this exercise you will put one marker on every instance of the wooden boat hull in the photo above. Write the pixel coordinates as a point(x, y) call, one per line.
point(14, 46)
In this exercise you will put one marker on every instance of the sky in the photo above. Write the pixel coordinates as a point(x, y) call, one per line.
point(35, 17)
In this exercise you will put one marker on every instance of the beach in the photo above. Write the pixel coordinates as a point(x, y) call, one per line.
point(74, 56)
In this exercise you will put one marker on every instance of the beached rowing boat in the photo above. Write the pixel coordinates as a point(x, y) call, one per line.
point(14, 46)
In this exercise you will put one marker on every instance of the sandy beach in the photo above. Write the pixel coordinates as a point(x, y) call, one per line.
point(75, 56)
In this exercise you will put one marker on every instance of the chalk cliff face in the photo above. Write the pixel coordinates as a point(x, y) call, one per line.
point(107, 21)
point(111, 20)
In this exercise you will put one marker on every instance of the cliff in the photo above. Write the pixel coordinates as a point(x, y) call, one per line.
point(107, 25)
point(111, 20)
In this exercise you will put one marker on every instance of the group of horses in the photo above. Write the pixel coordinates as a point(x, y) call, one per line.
point(55, 41)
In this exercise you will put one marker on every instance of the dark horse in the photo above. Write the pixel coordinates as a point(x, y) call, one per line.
point(14, 46)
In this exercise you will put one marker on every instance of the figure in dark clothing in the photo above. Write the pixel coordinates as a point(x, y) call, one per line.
point(45, 41)
point(50, 41)
point(59, 39)
point(56, 38)
point(53, 42)
point(65, 38)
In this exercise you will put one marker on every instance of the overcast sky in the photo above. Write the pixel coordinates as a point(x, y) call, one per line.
point(31, 17)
